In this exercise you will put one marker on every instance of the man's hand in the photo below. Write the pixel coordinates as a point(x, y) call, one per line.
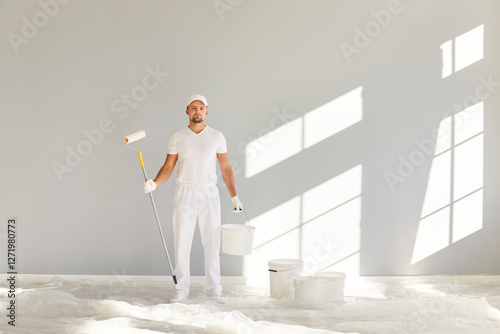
point(238, 206)
point(149, 186)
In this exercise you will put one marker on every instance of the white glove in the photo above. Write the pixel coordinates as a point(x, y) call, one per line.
point(238, 206)
point(149, 186)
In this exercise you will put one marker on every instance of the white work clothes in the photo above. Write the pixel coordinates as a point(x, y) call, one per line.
point(196, 198)
point(197, 154)
point(197, 202)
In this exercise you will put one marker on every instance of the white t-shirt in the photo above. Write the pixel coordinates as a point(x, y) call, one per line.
point(197, 154)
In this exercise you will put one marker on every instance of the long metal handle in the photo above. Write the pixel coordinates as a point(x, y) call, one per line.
point(157, 219)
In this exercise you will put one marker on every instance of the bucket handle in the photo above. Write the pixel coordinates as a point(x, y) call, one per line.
point(248, 219)
point(275, 271)
point(303, 281)
point(299, 284)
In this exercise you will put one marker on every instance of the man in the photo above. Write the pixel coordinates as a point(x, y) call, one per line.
point(196, 196)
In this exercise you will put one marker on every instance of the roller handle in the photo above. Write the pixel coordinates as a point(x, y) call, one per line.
point(157, 218)
point(140, 158)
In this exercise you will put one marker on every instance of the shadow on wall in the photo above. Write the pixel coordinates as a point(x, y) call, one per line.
point(385, 178)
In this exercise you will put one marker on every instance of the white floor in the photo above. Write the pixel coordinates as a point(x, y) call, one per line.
point(132, 304)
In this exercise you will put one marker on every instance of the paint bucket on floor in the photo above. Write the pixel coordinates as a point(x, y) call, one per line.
point(306, 287)
point(331, 286)
point(237, 239)
point(281, 275)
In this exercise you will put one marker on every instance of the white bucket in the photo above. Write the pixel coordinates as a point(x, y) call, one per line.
point(237, 239)
point(331, 286)
point(281, 275)
point(306, 287)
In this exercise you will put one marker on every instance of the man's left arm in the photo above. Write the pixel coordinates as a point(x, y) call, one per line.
point(228, 177)
point(227, 173)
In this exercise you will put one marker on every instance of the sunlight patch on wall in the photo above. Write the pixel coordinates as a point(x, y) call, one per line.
point(443, 142)
point(462, 51)
point(437, 195)
point(468, 216)
point(433, 235)
point(349, 265)
point(333, 117)
point(469, 122)
point(453, 203)
point(469, 48)
point(468, 167)
point(331, 193)
point(312, 128)
point(333, 237)
point(321, 227)
point(269, 150)
point(331, 222)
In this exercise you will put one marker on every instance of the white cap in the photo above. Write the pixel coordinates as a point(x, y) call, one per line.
point(197, 97)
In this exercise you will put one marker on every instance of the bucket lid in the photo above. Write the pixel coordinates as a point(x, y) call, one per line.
point(330, 275)
point(285, 263)
point(304, 279)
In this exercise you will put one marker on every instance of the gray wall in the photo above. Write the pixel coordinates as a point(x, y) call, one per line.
point(265, 66)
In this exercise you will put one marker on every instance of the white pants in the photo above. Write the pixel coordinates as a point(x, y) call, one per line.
point(197, 202)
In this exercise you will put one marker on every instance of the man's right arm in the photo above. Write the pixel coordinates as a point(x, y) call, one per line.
point(166, 170)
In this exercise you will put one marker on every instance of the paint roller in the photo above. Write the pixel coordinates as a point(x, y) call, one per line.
point(130, 139)
point(135, 136)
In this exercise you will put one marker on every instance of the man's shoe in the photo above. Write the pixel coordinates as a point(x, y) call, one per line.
point(178, 297)
point(215, 294)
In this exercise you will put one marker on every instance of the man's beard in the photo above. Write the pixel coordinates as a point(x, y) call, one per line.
point(196, 120)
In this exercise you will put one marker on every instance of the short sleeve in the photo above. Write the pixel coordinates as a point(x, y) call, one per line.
point(222, 144)
point(171, 145)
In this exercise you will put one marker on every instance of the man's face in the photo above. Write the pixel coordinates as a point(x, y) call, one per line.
point(197, 111)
